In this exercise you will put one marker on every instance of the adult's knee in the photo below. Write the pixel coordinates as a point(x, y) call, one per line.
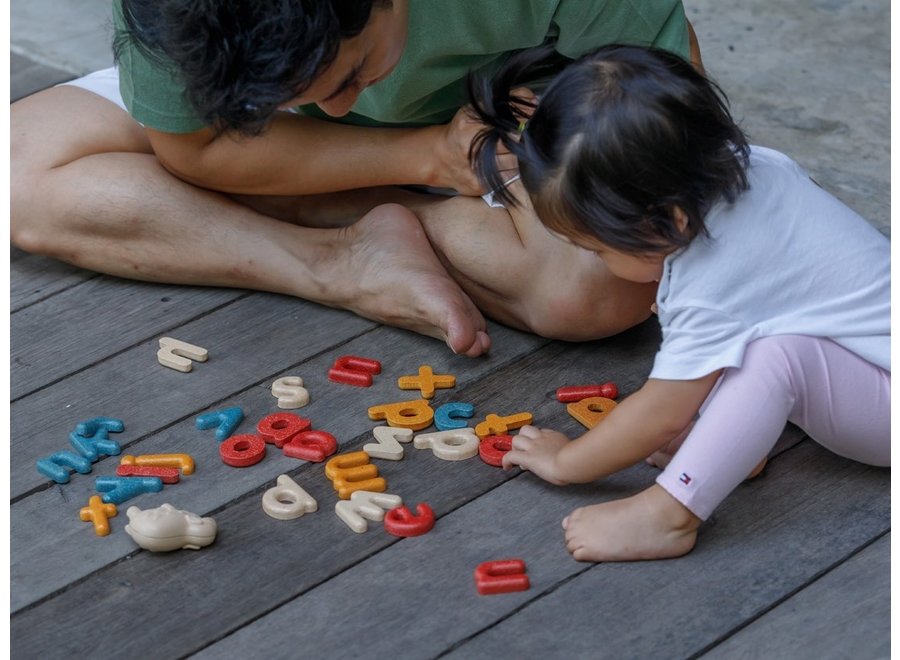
point(586, 312)
point(49, 131)
point(24, 185)
point(21, 234)
point(29, 216)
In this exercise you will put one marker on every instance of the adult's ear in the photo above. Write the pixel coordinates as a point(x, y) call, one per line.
point(694, 45)
point(680, 218)
point(529, 101)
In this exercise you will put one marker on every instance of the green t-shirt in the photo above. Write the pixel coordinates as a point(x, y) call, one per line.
point(445, 41)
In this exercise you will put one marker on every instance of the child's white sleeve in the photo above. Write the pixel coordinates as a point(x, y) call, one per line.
point(697, 341)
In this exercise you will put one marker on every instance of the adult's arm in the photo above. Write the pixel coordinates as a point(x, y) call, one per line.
point(299, 155)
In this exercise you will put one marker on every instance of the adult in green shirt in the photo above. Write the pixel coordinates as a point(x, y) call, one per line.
point(208, 179)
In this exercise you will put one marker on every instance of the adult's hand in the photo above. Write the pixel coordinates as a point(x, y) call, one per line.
point(451, 167)
point(451, 164)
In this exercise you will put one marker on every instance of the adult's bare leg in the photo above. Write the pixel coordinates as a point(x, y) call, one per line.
point(93, 195)
point(520, 274)
point(508, 263)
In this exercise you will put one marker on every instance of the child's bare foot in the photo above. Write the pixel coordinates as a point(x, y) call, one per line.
point(649, 525)
point(755, 472)
point(661, 457)
point(394, 277)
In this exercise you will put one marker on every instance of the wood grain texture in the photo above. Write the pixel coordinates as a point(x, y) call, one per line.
point(99, 318)
point(42, 560)
point(417, 599)
point(247, 342)
point(843, 614)
point(324, 540)
point(770, 538)
point(27, 76)
point(793, 564)
point(319, 543)
point(34, 278)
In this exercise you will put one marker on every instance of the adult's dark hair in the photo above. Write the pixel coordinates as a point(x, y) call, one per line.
point(619, 138)
point(241, 59)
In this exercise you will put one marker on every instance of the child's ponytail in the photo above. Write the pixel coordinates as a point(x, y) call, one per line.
point(505, 113)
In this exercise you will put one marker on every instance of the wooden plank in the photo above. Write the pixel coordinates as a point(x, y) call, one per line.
point(28, 76)
point(73, 37)
point(247, 341)
point(768, 539)
point(83, 325)
point(34, 278)
point(44, 561)
point(846, 613)
point(417, 599)
point(15, 254)
point(250, 541)
point(139, 586)
point(318, 545)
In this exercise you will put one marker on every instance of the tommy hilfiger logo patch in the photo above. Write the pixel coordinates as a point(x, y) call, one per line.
point(685, 478)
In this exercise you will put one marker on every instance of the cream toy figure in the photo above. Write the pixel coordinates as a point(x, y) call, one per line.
point(166, 528)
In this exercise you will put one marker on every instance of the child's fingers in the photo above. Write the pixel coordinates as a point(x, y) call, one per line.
point(527, 432)
point(512, 459)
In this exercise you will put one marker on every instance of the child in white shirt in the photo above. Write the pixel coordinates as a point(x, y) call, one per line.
point(773, 297)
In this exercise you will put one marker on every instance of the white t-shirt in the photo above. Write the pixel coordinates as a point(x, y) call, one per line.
point(785, 258)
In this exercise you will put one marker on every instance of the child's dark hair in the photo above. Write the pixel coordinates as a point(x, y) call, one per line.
point(242, 59)
point(618, 139)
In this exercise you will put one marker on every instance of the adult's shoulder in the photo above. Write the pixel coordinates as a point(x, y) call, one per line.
point(588, 24)
point(151, 88)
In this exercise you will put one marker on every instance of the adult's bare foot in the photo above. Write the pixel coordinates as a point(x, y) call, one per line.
point(393, 276)
point(649, 525)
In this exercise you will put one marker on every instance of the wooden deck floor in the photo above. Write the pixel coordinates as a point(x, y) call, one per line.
point(794, 564)
point(795, 561)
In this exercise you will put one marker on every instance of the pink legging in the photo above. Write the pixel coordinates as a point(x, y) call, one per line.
point(842, 401)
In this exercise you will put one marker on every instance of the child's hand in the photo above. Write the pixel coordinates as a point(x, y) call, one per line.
point(535, 450)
